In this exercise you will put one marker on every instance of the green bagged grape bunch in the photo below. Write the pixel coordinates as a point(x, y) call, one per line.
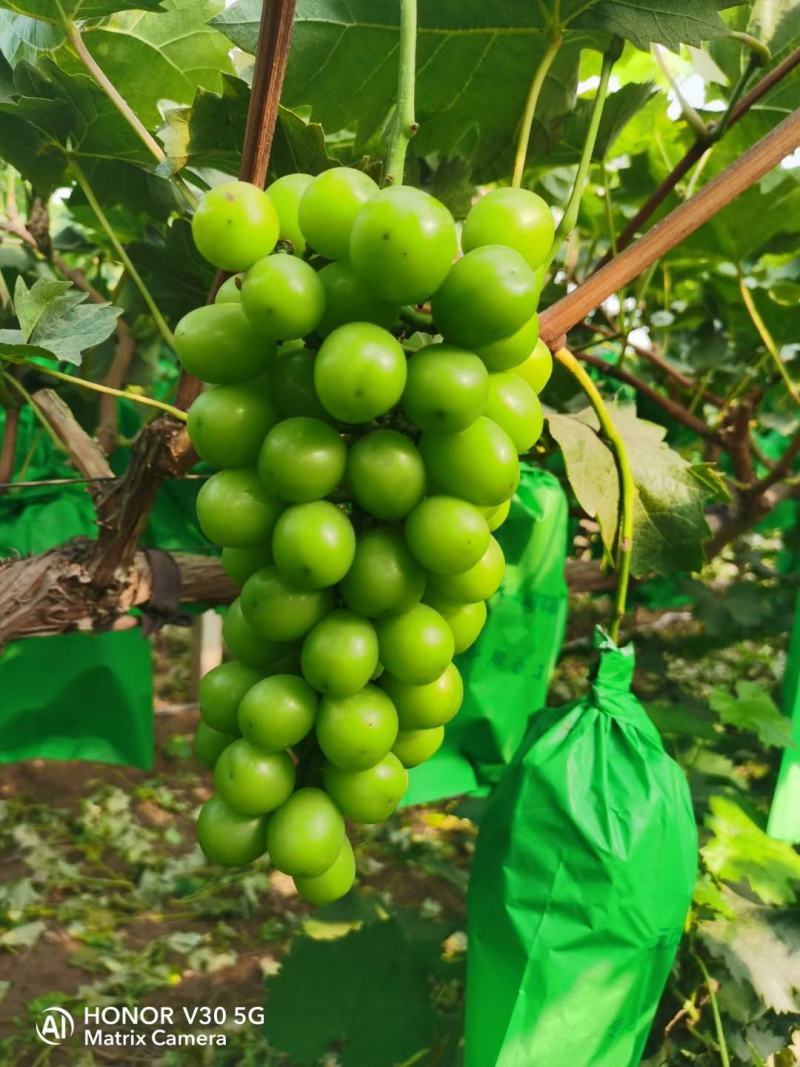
point(360, 480)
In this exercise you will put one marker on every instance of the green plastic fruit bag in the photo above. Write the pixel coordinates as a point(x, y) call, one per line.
point(78, 696)
point(784, 816)
point(584, 869)
point(507, 671)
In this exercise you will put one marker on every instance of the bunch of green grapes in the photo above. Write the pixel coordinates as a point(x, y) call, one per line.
point(360, 481)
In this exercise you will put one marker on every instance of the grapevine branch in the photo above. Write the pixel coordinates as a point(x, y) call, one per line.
point(700, 146)
point(676, 227)
point(627, 485)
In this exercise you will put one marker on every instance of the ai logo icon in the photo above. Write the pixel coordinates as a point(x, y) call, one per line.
point(54, 1026)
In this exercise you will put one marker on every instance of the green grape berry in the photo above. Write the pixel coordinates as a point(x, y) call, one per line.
point(229, 838)
point(329, 206)
point(513, 405)
point(242, 641)
point(513, 351)
point(217, 344)
point(537, 368)
point(413, 747)
point(334, 882)
point(305, 835)
point(230, 291)
point(415, 646)
point(253, 782)
point(277, 712)
point(313, 544)
point(402, 244)
point(302, 459)
point(423, 707)
point(489, 294)
point(221, 691)
point(279, 611)
point(234, 508)
point(283, 297)
point(384, 577)
point(209, 744)
point(465, 620)
point(357, 731)
point(240, 563)
point(234, 225)
point(386, 474)
point(227, 424)
point(446, 535)
point(371, 795)
point(340, 654)
point(478, 583)
point(291, 383)
point(285, 194)
point(347, 299)
point(517, 218)
point(360, 372)
point(478, 464)
point(446, 388)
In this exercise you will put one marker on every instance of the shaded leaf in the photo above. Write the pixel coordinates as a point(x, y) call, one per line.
point(591, 470)
point(85, 9)
point(355, 983)
point(474, 64)
point(23, 37)
point(646, 22)
point(22, 936)
point(57, 321)
point(669, 525)
point(753, 709)
point(176, 47)
point(740, 850)
point(760, 946)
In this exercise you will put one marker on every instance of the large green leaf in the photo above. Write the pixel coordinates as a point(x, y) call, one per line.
point(22, 37)
point(474, 66)
point(753, 709)
point(591, 469)
point(77, 9)
point(760, 946)
point(738, 849)
point(56, 320)
point(643, 22)
point(210, 134)
point(669, 526)
point(355, 984)
point(161, 56)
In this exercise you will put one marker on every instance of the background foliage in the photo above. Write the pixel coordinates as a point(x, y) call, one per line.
point(699, 355)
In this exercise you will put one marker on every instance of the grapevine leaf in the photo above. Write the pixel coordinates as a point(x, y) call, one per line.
point(22, 37)
point(172, 267)
point(645, 22)
point(176, 47)
point(355, 984)
point(777, 24)
point(56, 321)
point(669, 525)
point(591, 470)
point(210, 132)
point(753, 709)
point(474, 64)
point(738, 849)
point(759, 946)
point(22, 936)
point(84, 9)
point(620, 108)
